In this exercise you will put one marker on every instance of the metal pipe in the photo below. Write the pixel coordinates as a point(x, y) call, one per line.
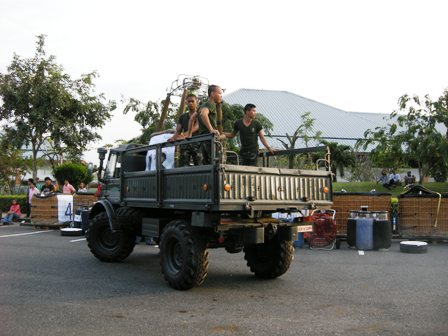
point(166, 104)
point(182, 104)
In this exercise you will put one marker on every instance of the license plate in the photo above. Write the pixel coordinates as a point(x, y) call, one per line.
point(305, 228)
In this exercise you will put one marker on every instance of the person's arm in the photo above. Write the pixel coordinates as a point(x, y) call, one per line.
point(264, 142)
point(193, 125)
point(176, 134)
point(204, 117)
point(228, 135)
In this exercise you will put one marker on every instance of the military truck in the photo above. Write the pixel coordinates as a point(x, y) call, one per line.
point(188, 210)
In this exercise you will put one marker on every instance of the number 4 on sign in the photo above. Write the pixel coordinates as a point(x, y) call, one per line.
point(68, 211)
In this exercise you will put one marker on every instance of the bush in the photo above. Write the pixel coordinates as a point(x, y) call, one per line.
point(6, 200)
point(73, 172)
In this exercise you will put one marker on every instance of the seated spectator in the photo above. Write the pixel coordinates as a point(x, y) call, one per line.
point(67, 188)
point(394, 180)
point(48, 186)
point(409, 179)
point(383, 178)
point(82, 187)
point(13, 213)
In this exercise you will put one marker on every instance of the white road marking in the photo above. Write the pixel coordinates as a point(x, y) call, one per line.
point(23, 234)
point(77, 240)
point(360, 252)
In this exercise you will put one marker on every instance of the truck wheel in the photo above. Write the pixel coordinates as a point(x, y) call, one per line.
point(107, 245)
point(183, 256)
point(270, 259)
point(128, 218)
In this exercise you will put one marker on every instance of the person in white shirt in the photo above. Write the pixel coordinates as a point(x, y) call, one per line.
point(394, 179)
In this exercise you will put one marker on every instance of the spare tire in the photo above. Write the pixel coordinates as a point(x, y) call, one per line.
point(71, 232)
point(413, 247)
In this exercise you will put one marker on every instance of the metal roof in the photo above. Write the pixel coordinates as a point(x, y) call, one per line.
point(284, 109)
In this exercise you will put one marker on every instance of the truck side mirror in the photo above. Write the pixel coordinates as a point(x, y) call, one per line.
point(101, 155)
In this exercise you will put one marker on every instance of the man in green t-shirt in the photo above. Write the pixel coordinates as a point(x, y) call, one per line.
point(250, 130)
point(191, 151)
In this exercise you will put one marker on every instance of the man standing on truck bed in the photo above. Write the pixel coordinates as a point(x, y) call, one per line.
point(207, 119)
point(189, 151)
point(250, 129)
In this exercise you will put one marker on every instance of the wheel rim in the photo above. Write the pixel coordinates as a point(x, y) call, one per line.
point(109, 239)
point(175, 258)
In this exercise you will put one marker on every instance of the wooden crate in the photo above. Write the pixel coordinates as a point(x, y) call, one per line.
point(417, 216)
point(44, 210)
point(344, 202)
point(83, 200)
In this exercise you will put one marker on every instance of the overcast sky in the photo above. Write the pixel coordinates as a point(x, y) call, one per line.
point(354, 55)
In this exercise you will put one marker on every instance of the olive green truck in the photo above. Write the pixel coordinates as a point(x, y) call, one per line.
point(187, 210)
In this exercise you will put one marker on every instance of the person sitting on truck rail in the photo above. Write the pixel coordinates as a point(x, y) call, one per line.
point(207, 120)
point(250, 129)
point(191, 151)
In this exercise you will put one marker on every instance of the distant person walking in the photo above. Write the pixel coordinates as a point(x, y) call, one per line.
point(32, 190)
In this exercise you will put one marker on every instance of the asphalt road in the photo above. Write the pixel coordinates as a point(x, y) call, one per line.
point(52, 285)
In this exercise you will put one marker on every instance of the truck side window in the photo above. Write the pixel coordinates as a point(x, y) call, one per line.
point(117, 169)
point(110, 168)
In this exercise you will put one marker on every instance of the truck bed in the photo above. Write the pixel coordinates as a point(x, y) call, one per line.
point(201, 188)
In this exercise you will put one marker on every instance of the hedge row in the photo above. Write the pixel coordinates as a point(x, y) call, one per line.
point(6, 201)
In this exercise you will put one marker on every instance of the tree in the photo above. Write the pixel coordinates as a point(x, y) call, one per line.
point(342, 157)
point(412, 136)
point(305, 132)
point(75, 173)
point(148, 116)
point(12, 164)
point(42, 104)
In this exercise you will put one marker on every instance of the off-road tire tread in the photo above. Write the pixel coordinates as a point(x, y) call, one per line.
point(279, 261)
point(195, 267)
point(127, 241)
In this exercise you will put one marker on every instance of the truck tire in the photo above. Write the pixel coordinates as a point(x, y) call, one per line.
point(183, 256)
point(270, 259)
point(107, 245)
point(128, 218)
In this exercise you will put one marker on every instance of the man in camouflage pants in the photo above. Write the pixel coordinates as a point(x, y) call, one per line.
point(188, 152)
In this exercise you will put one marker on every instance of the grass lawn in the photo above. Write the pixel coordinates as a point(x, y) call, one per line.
point(441, 187)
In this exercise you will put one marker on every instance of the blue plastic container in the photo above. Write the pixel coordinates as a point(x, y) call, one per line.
point(364, 233)
point(299, 243)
